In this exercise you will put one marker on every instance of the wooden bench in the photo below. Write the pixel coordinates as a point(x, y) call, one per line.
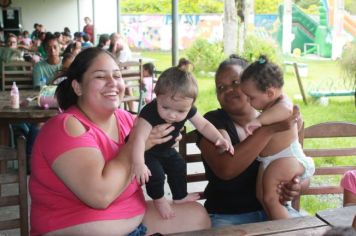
point(317, 136)
point(19, 72)
point(323, 130)
point(132, 73)
point(18, 177)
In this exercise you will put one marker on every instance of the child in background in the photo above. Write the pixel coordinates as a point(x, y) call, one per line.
point(283, 157)
point(348, 182)
point(148, 81)
point(176, 91)
point(25, 40)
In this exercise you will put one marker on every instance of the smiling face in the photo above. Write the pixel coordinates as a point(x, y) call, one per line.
point(173, 109)
point(228, 91)
point(102, 87)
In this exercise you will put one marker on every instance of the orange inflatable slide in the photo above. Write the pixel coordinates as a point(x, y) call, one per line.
point(349, 23)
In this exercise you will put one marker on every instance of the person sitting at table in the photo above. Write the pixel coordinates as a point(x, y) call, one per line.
point(74, 47)
point(348, 182)
point(49, 67)
point(120, 48)
point(10, 52)
point(231, 190)
point(104, 42)
point(81, 181)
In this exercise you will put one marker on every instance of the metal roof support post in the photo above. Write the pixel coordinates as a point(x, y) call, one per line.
point(118, 16)
point(94, 23)
point(174, 32)
point(78, 14)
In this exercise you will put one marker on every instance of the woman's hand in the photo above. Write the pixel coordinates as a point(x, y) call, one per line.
point(289, 190)
point(158, 135)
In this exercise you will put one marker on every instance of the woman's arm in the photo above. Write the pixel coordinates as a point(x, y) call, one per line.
point(85, 173)
point(246, 152)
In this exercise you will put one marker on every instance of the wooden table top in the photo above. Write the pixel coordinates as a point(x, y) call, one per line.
point(338, 216)
point(307, 225)
point(29, 112)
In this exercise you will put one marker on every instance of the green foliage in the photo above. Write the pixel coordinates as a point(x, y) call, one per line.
point(348, 63)
point(350, 6)
point(205, 56)
point(267, 6)
point(254, 47)
point(165, 6)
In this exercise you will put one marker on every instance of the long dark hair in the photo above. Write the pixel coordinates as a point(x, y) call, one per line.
point(65, 94)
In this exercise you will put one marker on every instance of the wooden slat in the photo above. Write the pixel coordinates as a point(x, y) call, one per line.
point(9, 201)
point(9, 224)
point(331, 129)
point(337, 170)
point(328, 152)
point(8, 178)
point(196, 177)
point(323, 190)
point(193, 158)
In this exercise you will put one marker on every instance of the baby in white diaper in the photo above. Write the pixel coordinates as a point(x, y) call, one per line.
point(283, 157)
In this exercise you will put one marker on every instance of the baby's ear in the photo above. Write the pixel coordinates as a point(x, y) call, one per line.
point(271, 92)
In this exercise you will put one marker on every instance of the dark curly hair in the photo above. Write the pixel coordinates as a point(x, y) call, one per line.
point(232, 60)
point(264, 74)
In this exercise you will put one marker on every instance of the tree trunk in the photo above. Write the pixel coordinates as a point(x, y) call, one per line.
point(230, 27)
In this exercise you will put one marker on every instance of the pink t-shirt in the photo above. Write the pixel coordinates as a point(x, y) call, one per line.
point(348, 182)
point(54, 206)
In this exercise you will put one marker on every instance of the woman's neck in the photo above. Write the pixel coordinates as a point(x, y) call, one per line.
point(53, 60)
point(100, 119)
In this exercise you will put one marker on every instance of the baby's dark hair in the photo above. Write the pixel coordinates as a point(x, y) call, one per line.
point(184, 62)
point(150, 67)
point(264, 74)
point(177, 81)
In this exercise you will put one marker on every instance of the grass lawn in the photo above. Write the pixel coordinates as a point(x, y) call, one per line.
point(322, 75)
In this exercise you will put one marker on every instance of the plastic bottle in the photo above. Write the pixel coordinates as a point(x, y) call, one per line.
point(43, 82)
point(15, 96)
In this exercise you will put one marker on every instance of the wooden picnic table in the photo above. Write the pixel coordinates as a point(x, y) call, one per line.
point(339, 216)
point(307, 225)
point(31, 113)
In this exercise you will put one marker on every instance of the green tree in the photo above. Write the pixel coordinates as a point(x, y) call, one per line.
point(165, 6)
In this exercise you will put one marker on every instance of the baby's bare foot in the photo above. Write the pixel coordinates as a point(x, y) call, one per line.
point(191, 197)
point(164, 208)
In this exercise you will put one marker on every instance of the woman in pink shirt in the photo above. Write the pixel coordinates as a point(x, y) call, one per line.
point(81, 181)
point(348, 182)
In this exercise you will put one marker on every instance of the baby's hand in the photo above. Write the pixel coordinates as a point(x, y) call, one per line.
point(225, 145)
point(141, 172)
point(252, 126)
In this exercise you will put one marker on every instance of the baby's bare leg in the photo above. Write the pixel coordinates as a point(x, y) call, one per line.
point(283, 169)
point(164, 208)
point(259, 186)
point(191, 197)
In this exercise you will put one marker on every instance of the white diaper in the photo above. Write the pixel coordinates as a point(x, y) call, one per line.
point(294, 150)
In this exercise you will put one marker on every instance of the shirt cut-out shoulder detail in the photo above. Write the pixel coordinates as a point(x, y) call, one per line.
point(74, 127)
